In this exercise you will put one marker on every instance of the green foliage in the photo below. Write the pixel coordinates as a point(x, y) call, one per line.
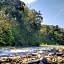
point(6, 36)
point(43, 44)
point(52, 34)
point(19, 25)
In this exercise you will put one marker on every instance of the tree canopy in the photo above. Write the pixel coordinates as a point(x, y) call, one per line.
point(52, 34)
point(19, 25)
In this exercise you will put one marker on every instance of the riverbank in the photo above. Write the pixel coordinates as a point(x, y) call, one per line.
point(28, 55)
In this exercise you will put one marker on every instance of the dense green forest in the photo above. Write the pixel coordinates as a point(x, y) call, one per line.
point(52, 34)
point(21, 26)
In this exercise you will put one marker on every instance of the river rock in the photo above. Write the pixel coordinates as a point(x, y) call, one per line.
point(59, 53)
point(44, 61)
point(61, 49)
point(41, 62)
point(59, 59)
point(40, 55)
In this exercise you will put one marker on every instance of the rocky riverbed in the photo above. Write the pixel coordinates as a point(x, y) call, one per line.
point(32, 55)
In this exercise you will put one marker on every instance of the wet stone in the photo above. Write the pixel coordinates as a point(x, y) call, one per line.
point(59, 53)
point(35, 55)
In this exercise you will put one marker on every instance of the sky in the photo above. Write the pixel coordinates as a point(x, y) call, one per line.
point(52, 10)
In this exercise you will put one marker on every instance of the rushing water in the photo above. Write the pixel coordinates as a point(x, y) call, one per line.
point(12, 51)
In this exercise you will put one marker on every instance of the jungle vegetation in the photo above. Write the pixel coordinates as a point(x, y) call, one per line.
point(21, 26)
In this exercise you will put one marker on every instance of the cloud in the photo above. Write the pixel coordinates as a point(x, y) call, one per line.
point(28, 1)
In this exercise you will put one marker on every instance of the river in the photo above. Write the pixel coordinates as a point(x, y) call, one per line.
point(52, 54)
point(11, 51)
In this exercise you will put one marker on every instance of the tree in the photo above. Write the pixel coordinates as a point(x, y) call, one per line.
point(52, 34)
point(23, 24)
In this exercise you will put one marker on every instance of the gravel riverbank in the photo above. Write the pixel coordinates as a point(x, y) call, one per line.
point(32, 55)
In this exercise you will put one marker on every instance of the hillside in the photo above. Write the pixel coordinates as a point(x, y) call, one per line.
point(19, 25)
point(52, 34)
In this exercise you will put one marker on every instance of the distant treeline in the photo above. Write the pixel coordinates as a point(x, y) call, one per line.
point(52, 34)
point(21, 26)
